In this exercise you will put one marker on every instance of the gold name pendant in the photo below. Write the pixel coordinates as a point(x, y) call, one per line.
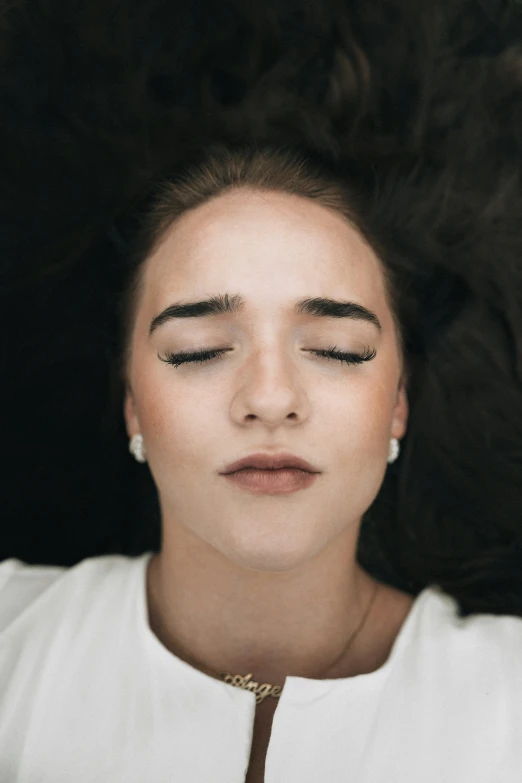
point(261, 691)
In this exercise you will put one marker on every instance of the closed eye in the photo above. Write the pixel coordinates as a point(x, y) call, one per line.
point(331, 354)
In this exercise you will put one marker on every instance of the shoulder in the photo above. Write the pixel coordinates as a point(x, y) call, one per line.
point(481, 648)
point(439, 610)
point(21, 584)
point(34, 590)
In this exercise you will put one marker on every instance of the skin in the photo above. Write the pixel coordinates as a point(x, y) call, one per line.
point(267, 584)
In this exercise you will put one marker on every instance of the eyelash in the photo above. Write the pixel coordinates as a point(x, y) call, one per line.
point(331, 353)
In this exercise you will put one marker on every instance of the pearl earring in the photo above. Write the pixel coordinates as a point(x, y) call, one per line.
point(136, 447)
point(394, 450)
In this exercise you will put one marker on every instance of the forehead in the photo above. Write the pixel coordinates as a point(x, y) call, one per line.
point(263, 242)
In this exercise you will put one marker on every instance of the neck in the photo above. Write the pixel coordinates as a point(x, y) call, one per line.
point(220, 617)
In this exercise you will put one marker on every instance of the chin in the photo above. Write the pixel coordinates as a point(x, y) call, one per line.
point(269, 552)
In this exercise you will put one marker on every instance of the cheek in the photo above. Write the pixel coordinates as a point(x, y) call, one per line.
point(363, 412)
point(359, 440)
point(358, 444)
point(174, 424)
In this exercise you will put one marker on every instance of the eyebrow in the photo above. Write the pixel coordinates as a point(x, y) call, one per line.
point(223, 304)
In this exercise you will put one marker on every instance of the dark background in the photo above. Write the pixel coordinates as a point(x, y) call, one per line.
point(98, 99)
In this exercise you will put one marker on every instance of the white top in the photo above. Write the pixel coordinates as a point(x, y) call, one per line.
point(88, 694)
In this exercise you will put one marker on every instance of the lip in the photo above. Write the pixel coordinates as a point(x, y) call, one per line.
point(271, 482)
point(263, 461)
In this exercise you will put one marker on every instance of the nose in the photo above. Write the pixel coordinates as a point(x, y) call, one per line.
point(271, 390)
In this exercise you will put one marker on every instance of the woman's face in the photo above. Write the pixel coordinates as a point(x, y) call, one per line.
point(268, 392)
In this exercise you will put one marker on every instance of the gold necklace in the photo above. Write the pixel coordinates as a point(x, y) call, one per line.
point(266, 689)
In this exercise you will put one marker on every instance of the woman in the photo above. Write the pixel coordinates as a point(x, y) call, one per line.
point(267, 389)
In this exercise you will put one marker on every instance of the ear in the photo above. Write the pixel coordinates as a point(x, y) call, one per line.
point(400, 413)
point(132, 423)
